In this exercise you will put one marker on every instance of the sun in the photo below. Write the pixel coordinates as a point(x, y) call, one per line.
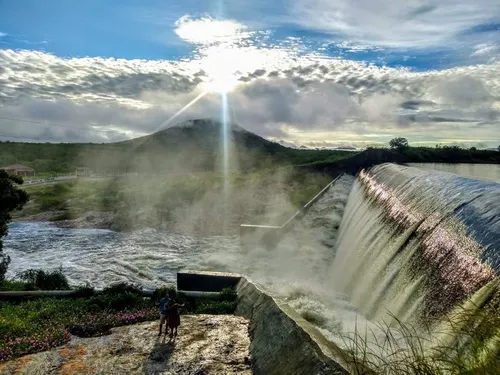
point(221, 69)
point(221, 84)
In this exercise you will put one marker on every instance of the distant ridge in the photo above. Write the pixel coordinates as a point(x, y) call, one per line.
point(193, 145)
point(204, 133)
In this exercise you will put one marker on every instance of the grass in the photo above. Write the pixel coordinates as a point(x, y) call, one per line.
point(469, 345)
point(34, 325)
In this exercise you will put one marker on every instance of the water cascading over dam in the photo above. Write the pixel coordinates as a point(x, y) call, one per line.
point(415, 244)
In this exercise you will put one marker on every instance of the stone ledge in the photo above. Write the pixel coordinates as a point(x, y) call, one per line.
point(281, 341)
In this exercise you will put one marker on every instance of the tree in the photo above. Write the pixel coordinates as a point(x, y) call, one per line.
point(398, 143)
point(11, 198)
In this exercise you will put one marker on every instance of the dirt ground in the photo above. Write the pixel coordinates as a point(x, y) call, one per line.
point(207, 344)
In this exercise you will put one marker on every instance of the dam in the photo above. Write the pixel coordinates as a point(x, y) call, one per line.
point(392, 246)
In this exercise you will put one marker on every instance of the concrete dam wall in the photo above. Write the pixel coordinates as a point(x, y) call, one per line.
point(282, 342)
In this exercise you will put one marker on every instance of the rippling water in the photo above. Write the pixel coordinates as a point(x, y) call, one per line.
point(100, 257)
point(482, 171)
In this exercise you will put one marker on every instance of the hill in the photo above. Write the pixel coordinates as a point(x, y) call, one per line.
point(194, 145)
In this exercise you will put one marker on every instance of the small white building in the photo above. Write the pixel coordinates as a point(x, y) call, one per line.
point(19, 170)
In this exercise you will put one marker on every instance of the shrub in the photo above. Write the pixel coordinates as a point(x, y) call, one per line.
point(160, 293)
point(215, 307)
point(116, 302)
point(42, 280)
point(227, 294)
point(120, 288)
point(13, 285)
point(84, 291)
point(19, 346)
point(92, 325)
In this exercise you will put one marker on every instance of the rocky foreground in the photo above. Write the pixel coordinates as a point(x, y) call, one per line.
point(207, 344)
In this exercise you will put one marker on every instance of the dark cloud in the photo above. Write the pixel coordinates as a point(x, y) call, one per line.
point(448, 119)
point(258, 73)
point(323, 69)
point(124, 85)
point(421, 10)
point(416, 104)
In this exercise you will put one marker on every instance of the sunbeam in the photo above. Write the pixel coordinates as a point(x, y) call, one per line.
point(225, 139)
point(182, 110)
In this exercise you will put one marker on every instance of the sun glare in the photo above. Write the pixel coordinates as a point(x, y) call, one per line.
point(221, 85)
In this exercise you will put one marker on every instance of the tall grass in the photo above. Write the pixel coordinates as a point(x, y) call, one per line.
point(465, 343)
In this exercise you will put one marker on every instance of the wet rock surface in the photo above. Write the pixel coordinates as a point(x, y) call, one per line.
point(206, 344)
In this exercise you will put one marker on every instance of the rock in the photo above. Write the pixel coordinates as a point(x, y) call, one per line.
point(136, 349)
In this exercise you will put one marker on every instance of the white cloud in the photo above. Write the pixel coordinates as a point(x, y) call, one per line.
point(486, 52)
point(207, 31)
point(485, 49)
point(2, 34)
point(393, 23)
point(281, 95)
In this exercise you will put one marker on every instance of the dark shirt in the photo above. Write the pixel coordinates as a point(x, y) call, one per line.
point(174, 309)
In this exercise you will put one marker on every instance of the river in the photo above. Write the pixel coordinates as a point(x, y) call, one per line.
point(99, 257)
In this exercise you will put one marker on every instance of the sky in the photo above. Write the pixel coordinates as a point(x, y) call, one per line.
point(319, 73)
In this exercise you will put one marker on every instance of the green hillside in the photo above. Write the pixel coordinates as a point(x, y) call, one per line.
point(191, 146)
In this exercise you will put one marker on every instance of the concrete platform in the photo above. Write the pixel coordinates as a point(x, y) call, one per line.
point(202, 281)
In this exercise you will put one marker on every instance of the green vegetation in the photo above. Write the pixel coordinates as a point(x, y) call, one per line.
point(194, 148)
point(467, 344)
point(409, 154)
point(398, 143)
point(32, 325)
point(11, 198)
point(41, 280)
point(449, 154)
point(442, 154)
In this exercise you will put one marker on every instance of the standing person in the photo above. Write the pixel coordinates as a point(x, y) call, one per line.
point(173, 316)
point(164, 302)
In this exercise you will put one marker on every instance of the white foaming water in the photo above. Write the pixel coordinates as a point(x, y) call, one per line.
point(413, 245)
